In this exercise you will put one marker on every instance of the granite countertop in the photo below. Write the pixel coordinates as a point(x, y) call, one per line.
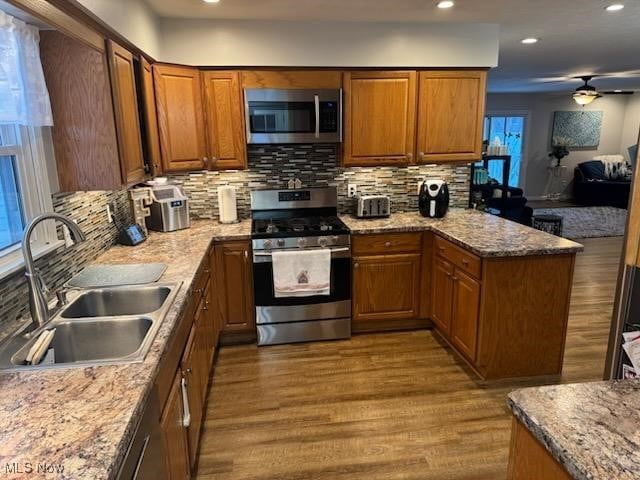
point(483, 234)
point(82, 419)
point(593, 429)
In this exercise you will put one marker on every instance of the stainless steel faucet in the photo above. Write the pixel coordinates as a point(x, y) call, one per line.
point(37, 288)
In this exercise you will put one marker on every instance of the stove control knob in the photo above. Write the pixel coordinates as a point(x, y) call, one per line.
point(281, 242)
point(323, 241)
point(267, 244)
point(302, 242)
point(334, 239)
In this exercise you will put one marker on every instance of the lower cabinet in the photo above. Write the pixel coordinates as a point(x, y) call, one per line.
point(387, 281)
point(175, 439)
point(234, 285)
point(464, 317)
point(442, 301)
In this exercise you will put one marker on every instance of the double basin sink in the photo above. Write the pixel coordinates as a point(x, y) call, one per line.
point(107, 325)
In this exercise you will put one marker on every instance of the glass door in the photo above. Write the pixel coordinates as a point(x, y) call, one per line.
point(510, 129)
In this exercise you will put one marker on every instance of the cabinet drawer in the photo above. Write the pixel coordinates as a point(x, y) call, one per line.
point(459, 256)
point(384, 243)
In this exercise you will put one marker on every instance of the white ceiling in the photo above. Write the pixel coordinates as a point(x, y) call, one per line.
point(577, 36)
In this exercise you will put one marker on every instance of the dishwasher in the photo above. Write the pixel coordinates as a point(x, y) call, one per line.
point(145, 458)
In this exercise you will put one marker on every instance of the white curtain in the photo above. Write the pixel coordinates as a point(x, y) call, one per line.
point(24, 98)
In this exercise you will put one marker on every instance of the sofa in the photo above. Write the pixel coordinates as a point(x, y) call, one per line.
point(595, 185)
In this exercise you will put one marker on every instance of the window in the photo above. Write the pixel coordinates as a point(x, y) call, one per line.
point(510, 129)
point(24, 193)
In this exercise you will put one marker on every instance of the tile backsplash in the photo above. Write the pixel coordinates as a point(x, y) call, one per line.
point(88, 209)
point(272, 166)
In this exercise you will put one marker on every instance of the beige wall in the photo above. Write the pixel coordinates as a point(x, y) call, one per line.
point(133, 19)
point(540, 108)
point(279, 43)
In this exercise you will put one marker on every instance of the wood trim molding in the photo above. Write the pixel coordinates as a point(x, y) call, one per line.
point(51, 14)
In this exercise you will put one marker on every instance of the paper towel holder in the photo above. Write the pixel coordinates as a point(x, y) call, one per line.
point(227, 204)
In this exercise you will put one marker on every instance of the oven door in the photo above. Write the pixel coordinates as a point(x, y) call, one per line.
point(272, 309)
point(293, 116)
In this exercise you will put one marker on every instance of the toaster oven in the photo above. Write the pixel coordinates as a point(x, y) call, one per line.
point(372, 206)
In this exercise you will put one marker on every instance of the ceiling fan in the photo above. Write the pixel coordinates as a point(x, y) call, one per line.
point(585, 94)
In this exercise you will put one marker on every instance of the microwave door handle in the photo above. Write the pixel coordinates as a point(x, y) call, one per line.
point(317, 103)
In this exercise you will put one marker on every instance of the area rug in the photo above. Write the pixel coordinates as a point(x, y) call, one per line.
point(588, 222)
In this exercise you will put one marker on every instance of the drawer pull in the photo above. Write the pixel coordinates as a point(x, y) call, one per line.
point(387, 244)
point(455, 279)
point(465, 261)
point(356, 265)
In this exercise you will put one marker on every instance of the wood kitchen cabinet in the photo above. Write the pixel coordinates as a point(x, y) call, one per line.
point(149, 118)
point(174, 434)
point(181, 124)
point(451, 106)
point(442, 301)
point(125, 101)
point(84, 131)
point(386, 281)
point(235, 288)
point(379, 117)
point(506, 316)
point(225, 119)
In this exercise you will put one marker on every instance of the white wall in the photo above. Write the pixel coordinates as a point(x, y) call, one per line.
point(541, 108)
point(631, 128)
point(328, 44)
point(133, 19)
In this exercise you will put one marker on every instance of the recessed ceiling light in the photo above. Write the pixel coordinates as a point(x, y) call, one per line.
point(210, 1)
point(617, 91)
point(614, 7)
point(529, 40)
point(446, 4)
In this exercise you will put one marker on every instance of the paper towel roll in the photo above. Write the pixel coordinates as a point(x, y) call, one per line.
point(227, 204)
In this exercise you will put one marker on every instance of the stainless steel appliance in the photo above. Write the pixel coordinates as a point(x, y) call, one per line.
point(293, 116)
point(433, 200)
point(169, 209)
point(291, 220)
point(371, 206)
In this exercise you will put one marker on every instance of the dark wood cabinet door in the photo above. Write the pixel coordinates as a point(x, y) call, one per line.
point(180, 118)
point(150, 118)
point(190, 371)
point(174, 433)
point(451, 108)
point(380, 115)
point(225, 120)
point(386, 287)
point(466, 308)
point(235, 286)
point(125, 101)
point(442, 295)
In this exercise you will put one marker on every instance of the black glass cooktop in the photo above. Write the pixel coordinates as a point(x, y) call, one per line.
point(297, 227)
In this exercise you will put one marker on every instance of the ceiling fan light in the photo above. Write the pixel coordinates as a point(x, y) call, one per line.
point(583, 98)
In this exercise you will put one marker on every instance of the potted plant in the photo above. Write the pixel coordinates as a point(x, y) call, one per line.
point(559, 149)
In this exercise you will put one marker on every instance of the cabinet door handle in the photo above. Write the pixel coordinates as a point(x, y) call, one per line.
point(455, 279)
point(448, 274)
point(421, 155)
point(356, 265)
point(387, 244)
point(409, 156)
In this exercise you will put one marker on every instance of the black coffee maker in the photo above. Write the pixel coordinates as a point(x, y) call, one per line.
point(433, 201)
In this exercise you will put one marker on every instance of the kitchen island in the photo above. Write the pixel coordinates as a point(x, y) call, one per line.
point(587, 431)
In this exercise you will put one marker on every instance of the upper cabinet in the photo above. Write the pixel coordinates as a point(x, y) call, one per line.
point(325, 79)
point(450, 115)
point(149, 118)
point(225, 119)
point(84, 131)
point(125, 101)
point(380, 117)
point(180, 118)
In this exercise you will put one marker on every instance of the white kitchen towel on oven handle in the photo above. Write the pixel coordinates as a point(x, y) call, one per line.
point(301, 273)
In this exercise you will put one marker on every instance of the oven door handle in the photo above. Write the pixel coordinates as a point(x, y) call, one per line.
point(317, 104)
point(269, 254)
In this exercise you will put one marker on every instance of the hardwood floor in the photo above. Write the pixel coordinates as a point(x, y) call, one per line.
point(383, 406)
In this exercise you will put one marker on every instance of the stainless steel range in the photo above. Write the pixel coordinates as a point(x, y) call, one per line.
point(293, 220)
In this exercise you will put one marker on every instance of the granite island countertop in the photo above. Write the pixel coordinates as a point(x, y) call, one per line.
point(483, 234)
point(592, 429)
point(83, 419)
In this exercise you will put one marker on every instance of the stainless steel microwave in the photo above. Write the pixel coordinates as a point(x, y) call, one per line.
point(293, 116)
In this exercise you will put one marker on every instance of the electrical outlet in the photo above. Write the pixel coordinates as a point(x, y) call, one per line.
point(352, 190)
